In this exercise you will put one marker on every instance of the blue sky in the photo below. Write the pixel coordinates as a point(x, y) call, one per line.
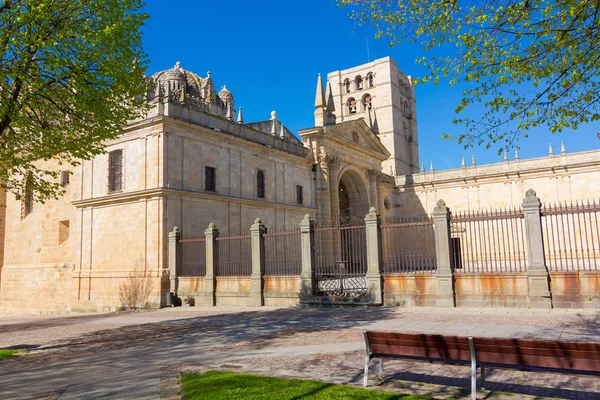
point(269, 52)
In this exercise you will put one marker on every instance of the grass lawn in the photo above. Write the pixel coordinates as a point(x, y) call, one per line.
point(217, 385)
point(5, 353)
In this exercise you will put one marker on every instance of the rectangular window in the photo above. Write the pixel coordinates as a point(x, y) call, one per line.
point(210, 179)
point(260, 184)
point(299, 195)
point(115, 171)
point(65, 177)
point(27, 199)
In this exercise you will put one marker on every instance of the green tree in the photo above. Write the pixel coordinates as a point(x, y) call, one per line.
point(71, 75)
point(531, 63)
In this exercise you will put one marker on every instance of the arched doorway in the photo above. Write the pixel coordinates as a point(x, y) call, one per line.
point(352, 193)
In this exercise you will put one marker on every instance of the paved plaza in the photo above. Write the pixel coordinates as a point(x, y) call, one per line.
point(139, 354)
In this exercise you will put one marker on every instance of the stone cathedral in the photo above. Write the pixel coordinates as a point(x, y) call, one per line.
point(194, 160)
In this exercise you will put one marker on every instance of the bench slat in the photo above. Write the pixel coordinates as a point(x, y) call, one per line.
point(583, 364)
point(538, 343)
point(450, 354)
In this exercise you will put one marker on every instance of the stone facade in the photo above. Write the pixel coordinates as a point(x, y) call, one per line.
point(560, 178)
point(193, 161)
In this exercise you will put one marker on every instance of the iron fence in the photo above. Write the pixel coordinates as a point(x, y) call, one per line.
point(489, 241)
point(408, 246)
point(571, 236)
point(340, 259)
point(193, 257)
point(234, 255)
point(283, 253)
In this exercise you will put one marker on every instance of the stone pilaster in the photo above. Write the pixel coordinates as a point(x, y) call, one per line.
point(211, 233)
point(443, 250)
point(374, 278)
point(174, 259)
point(537, 272)
point(373, 177)
point(258, 263)
point(307, 239)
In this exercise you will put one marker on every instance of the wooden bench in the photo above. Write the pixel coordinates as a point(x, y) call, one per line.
point(479, 352)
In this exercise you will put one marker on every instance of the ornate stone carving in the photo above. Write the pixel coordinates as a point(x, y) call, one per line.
point(329, 159)
point(373, 174)
point(196, 103)
point(355, 137)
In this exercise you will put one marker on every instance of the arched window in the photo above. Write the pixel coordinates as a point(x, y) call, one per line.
point(347, 85)
point(366, 101)
point(358, 82)
point(260, 184)
point(370, 80)
point(352, 105)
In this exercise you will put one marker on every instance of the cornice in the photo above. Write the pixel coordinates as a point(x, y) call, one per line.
point(130, 197)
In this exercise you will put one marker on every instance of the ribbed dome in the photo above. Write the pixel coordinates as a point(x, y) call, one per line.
point(225, 94)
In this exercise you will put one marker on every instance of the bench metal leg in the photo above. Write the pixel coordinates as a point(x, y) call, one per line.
point(482, 378)
point(366, 377)
point(381, 368)
point(473, 370)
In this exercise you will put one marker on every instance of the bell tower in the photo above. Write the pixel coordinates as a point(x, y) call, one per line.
point(384, 96)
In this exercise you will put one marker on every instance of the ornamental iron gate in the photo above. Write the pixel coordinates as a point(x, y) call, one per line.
point(341, 257)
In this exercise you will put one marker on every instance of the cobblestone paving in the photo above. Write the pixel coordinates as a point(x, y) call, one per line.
point(263, 339)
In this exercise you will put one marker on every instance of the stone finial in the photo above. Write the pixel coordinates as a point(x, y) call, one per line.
point(229, 114)
point(307, 217)
point(208, 74)
point(329, 98)
point(372, 215)
point(422, 167)
point(562, 148)
point(473, 159)
point(175, 229)
point(505, 155)
point(463, 162)
point(516, 154)
point(531, 199)
point(274, 127)
point(212, 226)
point(440, 207)
point(550, 151)
point(282, 132)
point(431, 166)
point(177, 65)
point(273, 115)
point(258, 221)
point(320, 96)
point(240, 118)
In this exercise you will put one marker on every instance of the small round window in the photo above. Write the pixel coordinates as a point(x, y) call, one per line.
point(386, 204)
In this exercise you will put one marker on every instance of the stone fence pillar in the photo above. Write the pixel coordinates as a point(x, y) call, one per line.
point(174, 260)
point(445, 296)
point(537, 273)
point(307, 243)
point(374, 278)
point(258, 263)
point(211, 233)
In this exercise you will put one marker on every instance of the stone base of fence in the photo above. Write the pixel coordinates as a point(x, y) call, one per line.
point(409, 290)
point(577, 289)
